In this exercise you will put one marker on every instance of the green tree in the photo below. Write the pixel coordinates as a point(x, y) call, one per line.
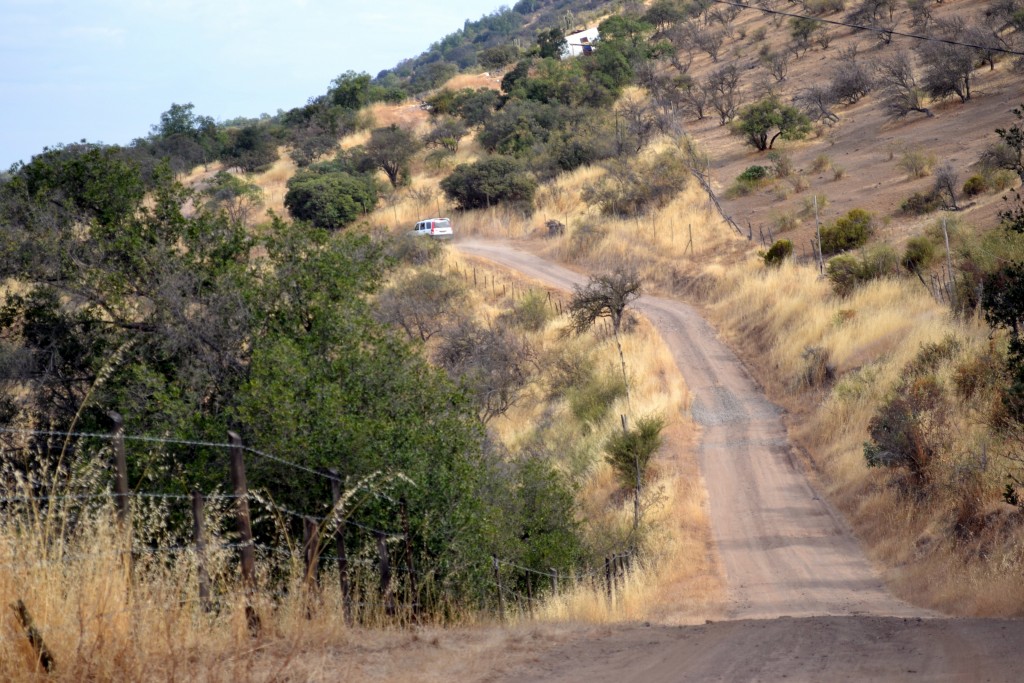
point(490, 181)
point(391, 149)
point(629, 453)
point(551, 42)
point(250, 148)
point(769, 117)
point(350, 90)
point(330, 200)
point(235, 196)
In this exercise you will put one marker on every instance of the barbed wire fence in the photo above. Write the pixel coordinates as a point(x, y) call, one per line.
point(398, 581)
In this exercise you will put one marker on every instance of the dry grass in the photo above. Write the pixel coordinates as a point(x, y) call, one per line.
point(274, 183)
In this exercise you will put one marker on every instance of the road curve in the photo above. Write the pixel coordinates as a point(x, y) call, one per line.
point(784, 551)
point(803, 602)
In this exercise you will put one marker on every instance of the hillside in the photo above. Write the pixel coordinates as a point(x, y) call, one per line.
point(440, 424)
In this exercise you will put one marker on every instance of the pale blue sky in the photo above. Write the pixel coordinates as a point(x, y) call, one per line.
point(104, 70)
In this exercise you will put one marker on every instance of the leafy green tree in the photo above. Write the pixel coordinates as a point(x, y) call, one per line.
point(350, 90)
point(488, 182)
point(551, 42)
point(235, 196)
point(391, 149)
point(770, 117)
point(498, 56)
point(1013, 143)
point(251, 148)
point(629, 452)
point(330, 200)
point(446, 134)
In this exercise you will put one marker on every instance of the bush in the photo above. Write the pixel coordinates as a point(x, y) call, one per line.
point(752, 179)
point(919, 254)
point(752, 174)
point(590, 402)
point(921, 202)
point(821, 163)
point(633, 188)
point(917, 163)
point(848, 232)
point(846, 272)
point(330, 200)
point(782, 163)
point(490, 181)
point(532, 312)
point(974, 186)
point(778, 252)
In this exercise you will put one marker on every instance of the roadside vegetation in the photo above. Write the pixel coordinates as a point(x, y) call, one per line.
point(255, 276)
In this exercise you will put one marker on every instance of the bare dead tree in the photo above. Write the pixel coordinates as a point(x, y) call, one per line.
point(722, 88)
point(947, 181)
point(816, 101)
point(776, 64)
point(606, 296)
point(900, 91)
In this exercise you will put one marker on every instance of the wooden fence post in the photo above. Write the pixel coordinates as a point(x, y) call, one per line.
point(343, 577)
point(199, 538)
point(385, 573)
point(120, 468)
point(608, 577)
point(311, 552)
point(497, 580)
point(554, 581)
point(35, 638)
point(244, 525)
point(411, 598)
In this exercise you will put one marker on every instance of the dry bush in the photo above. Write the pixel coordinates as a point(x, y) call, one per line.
point(917, 163)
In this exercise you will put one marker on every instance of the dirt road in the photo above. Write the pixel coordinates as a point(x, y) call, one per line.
point(803, 601)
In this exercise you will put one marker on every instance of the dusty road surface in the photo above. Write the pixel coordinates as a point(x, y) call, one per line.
point(803, 601)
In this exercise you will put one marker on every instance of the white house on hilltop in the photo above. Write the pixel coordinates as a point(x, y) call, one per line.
point(580, 43)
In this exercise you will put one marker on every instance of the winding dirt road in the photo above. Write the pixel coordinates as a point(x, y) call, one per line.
point(803, 601)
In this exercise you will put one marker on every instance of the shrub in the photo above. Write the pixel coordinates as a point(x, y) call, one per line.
point(752, 174)
point(490, 181)
point(752, 179)
point(635, 187)
point(975, 185)
point(878, 261)
point(917, 163)
point(919, 253)
point(921, 202)
point(848, 232)
point(820, 371)
point(590, 402)
point(786, 221)
point(838, 173)
point(821, 163)
point(532, 312)
point(846, 272)
point(782, 163)
point(778, 252)
point(330, 200)
point(900, 436)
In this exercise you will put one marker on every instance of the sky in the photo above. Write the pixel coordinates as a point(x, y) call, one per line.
point(104, 70)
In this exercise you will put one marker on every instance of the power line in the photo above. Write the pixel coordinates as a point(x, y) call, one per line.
point(875, 29)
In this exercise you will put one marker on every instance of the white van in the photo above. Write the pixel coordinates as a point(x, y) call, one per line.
point(440, 228)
